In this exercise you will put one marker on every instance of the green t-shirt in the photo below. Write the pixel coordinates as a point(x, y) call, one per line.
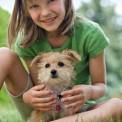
point(87, 39)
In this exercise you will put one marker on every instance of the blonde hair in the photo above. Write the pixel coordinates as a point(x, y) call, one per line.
point(23, 24)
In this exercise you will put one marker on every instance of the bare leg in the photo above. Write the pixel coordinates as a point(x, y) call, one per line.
point(106, 111)
point(12, 71)
point(15, 77)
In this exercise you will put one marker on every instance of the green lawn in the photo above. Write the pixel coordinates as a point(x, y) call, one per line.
point(8, 112)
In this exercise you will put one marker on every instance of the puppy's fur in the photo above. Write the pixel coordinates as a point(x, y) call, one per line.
point(56, 70)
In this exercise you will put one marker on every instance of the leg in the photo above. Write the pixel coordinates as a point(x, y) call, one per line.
point(101, 113)
point(15, 77)
point(12, 71)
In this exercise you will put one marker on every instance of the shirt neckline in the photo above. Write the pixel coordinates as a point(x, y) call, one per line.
point(64, 46)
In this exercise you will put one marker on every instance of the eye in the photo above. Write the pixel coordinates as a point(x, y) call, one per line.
point(61, 64)
point(47, 65)
point(34, 6)
point(49, 1)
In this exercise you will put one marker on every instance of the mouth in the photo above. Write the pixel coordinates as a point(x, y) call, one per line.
point(49, 20)
point(54, 76)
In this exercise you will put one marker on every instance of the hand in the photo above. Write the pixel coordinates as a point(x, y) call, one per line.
point(73, 99)
point(39, 97)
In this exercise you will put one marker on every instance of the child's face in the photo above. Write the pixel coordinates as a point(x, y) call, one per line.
point(47, 14)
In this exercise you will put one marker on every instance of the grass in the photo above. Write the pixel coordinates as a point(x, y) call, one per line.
point(108, 120)
point(9, 113)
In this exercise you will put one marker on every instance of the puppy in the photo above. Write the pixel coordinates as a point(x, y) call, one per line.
point(56, 70)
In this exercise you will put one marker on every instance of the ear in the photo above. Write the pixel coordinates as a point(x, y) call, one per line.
point(73, 55)
point(36, 60)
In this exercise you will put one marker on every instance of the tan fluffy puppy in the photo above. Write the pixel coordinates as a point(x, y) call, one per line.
point(56, 70)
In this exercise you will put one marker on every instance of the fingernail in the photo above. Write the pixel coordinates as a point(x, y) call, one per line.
point(51, 92)
point(66, 106)
point(63, 99)
point(42, 85)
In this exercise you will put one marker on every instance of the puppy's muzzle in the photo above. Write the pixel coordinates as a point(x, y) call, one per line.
point(54, 73)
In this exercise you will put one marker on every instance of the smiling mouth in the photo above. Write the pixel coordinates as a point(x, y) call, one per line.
point(48, 21)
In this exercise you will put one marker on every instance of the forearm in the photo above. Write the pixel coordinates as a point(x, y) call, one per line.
point(94, 91)
point(97, 70)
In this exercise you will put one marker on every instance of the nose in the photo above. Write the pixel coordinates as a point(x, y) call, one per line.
point(54, 73)
point(44, 11)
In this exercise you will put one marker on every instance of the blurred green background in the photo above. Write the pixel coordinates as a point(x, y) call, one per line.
point(99, 11)
point(105, 13)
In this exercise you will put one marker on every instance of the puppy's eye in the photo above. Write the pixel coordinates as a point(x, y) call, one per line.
point(61, 64)
point(47, 65)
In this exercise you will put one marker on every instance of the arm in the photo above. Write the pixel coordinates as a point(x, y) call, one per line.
point(39, 97)
point(98, 76)
point(81, 93)
point(32, 70)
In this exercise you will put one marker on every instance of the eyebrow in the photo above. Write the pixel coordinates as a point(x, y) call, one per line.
point(30, 2)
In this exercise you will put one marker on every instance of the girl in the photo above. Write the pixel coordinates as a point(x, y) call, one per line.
point(50, 25)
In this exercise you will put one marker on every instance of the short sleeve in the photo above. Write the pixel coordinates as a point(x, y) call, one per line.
point(97, 41)
point(26, 53)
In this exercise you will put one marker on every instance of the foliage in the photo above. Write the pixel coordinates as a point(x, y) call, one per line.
point(106, 16)
point(8, 112)
point(3, 99)
point(4, 17)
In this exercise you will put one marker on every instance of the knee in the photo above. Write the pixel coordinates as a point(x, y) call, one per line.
point(116, 101)
point(116, 105)
point(8, 55)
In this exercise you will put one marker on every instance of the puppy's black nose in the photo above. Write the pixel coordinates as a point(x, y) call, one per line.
point(54, 73)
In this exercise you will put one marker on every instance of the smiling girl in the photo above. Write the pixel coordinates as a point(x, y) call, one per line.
point(50, 25)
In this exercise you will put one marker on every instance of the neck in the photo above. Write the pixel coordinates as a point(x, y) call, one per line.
point(52, 35)
point(56, 40)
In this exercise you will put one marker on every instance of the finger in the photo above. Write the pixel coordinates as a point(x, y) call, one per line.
point(44, 100)
point(77, 109)
point(72, 98)
point(78, 103)
point(39, 87)
point(43, 109)
point(66, 93)
point(44, 105)
point(71, 92)
point(42, 93)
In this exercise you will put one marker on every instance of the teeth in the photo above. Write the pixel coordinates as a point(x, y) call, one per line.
point(49, 20)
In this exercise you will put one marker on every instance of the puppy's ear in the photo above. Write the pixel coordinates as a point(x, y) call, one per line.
point(74, 56)
point(36, 60)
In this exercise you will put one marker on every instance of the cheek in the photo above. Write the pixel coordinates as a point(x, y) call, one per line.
point(34, 16)
point(43, 74)
point(59, 7)
point(62, 8)
point(66, 71)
